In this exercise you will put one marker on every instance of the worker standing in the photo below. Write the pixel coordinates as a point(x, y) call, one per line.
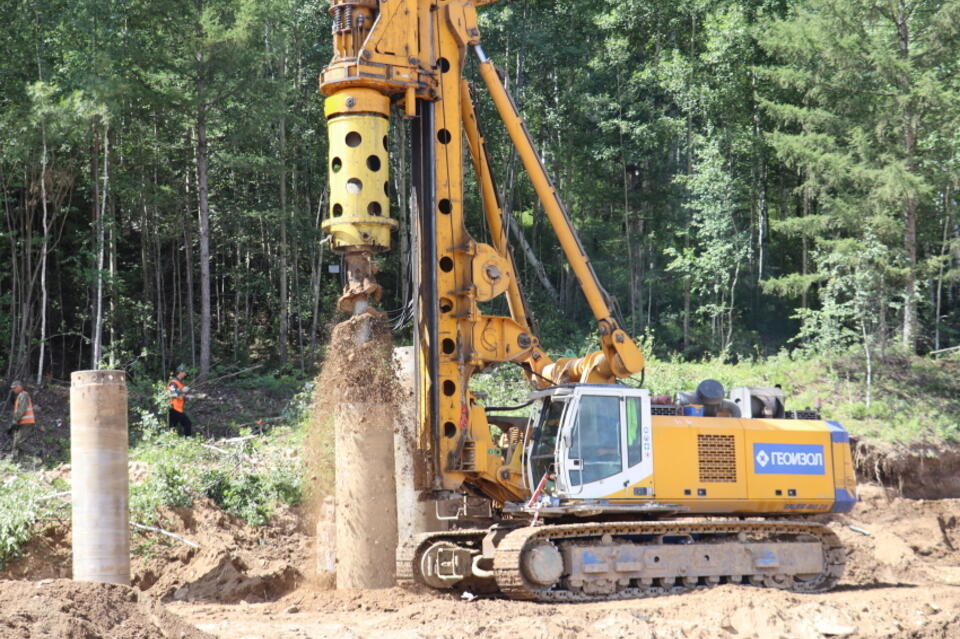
point(177, 392)
point(21, 419)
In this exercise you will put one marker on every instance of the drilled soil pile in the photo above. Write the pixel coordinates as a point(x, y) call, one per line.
point(61, 609)
point(891, 540)
point(234, 562)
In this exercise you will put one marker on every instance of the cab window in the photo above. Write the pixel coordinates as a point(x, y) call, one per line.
point(545, 439)
point(595, 439)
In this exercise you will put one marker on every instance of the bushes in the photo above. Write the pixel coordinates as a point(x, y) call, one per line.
point(25, 501)
point(251, 497)
point(247, 476)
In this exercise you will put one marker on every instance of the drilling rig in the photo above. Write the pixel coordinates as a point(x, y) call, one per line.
point(604, 492)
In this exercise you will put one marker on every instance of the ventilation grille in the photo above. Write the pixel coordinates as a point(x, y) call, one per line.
point(665, 409)
point(718, 458)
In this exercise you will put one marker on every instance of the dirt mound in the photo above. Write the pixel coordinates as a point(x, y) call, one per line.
point(232, 561)
point(229, 560)
point(61, 609)
point(45, 556)
point(892, 540)
point(921, 470)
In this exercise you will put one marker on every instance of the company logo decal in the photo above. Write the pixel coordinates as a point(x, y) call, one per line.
point(788, 459)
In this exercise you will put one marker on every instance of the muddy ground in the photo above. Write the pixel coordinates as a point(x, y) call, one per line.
point(902, 580)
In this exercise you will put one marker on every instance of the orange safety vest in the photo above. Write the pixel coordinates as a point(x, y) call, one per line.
point(177, 403)
point(27, 417)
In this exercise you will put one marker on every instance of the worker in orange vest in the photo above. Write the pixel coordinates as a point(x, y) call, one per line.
point(22, 417)
point(177, 392)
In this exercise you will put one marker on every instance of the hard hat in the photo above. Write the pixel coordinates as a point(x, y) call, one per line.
point(182, 368)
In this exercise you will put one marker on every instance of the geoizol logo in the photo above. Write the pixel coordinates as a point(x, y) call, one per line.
point(788, 459)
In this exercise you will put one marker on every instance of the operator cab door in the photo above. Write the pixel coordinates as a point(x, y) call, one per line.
point(542, 450)
point(606, 443)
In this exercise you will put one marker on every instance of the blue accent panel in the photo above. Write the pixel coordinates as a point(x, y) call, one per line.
point(693, 411)
point(838, 434)
point(590, 558)
point(788, 459)
point(843, 502)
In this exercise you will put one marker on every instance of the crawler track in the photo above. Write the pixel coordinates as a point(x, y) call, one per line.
point(512, 583)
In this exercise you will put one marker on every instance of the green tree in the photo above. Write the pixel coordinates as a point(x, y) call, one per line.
point(866, 95)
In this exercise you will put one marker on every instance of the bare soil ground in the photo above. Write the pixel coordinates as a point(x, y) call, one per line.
point(902, 580)
point(62, 609)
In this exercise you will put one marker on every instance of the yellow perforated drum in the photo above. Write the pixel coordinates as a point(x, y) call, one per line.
point(358, 165)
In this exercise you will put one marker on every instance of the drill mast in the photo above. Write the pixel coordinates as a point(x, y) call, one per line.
point(410, 54)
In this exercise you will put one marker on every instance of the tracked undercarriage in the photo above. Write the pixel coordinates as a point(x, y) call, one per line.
point(624, 560)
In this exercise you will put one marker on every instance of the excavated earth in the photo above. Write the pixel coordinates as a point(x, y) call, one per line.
point(902, 580)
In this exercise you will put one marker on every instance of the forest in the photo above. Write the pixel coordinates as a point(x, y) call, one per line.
point(747, 176)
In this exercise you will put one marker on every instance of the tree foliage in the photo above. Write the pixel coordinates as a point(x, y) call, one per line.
point(745, 176)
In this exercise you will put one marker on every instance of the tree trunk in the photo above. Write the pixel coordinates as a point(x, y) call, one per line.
point(203, 211)
point(43, 256)
point(944, 253)
point(97, 351)
point(188, 267)
point(910, 204)
point(284, 314)
point(316, 278)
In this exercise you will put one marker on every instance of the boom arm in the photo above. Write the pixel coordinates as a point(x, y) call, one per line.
point(619, 355)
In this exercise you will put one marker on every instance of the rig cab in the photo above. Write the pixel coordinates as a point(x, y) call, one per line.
point(595, 439)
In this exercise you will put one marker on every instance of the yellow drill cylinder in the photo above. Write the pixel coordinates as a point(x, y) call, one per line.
point(359, 213)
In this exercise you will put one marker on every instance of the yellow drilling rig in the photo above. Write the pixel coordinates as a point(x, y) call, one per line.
point(605, 492)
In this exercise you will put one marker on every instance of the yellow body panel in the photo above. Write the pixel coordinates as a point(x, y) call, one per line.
point(709, 465)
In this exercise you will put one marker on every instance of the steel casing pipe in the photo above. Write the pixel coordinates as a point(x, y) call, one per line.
point(98, 457)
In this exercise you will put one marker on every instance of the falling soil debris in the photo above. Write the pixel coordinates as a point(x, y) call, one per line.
point(357, 398)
